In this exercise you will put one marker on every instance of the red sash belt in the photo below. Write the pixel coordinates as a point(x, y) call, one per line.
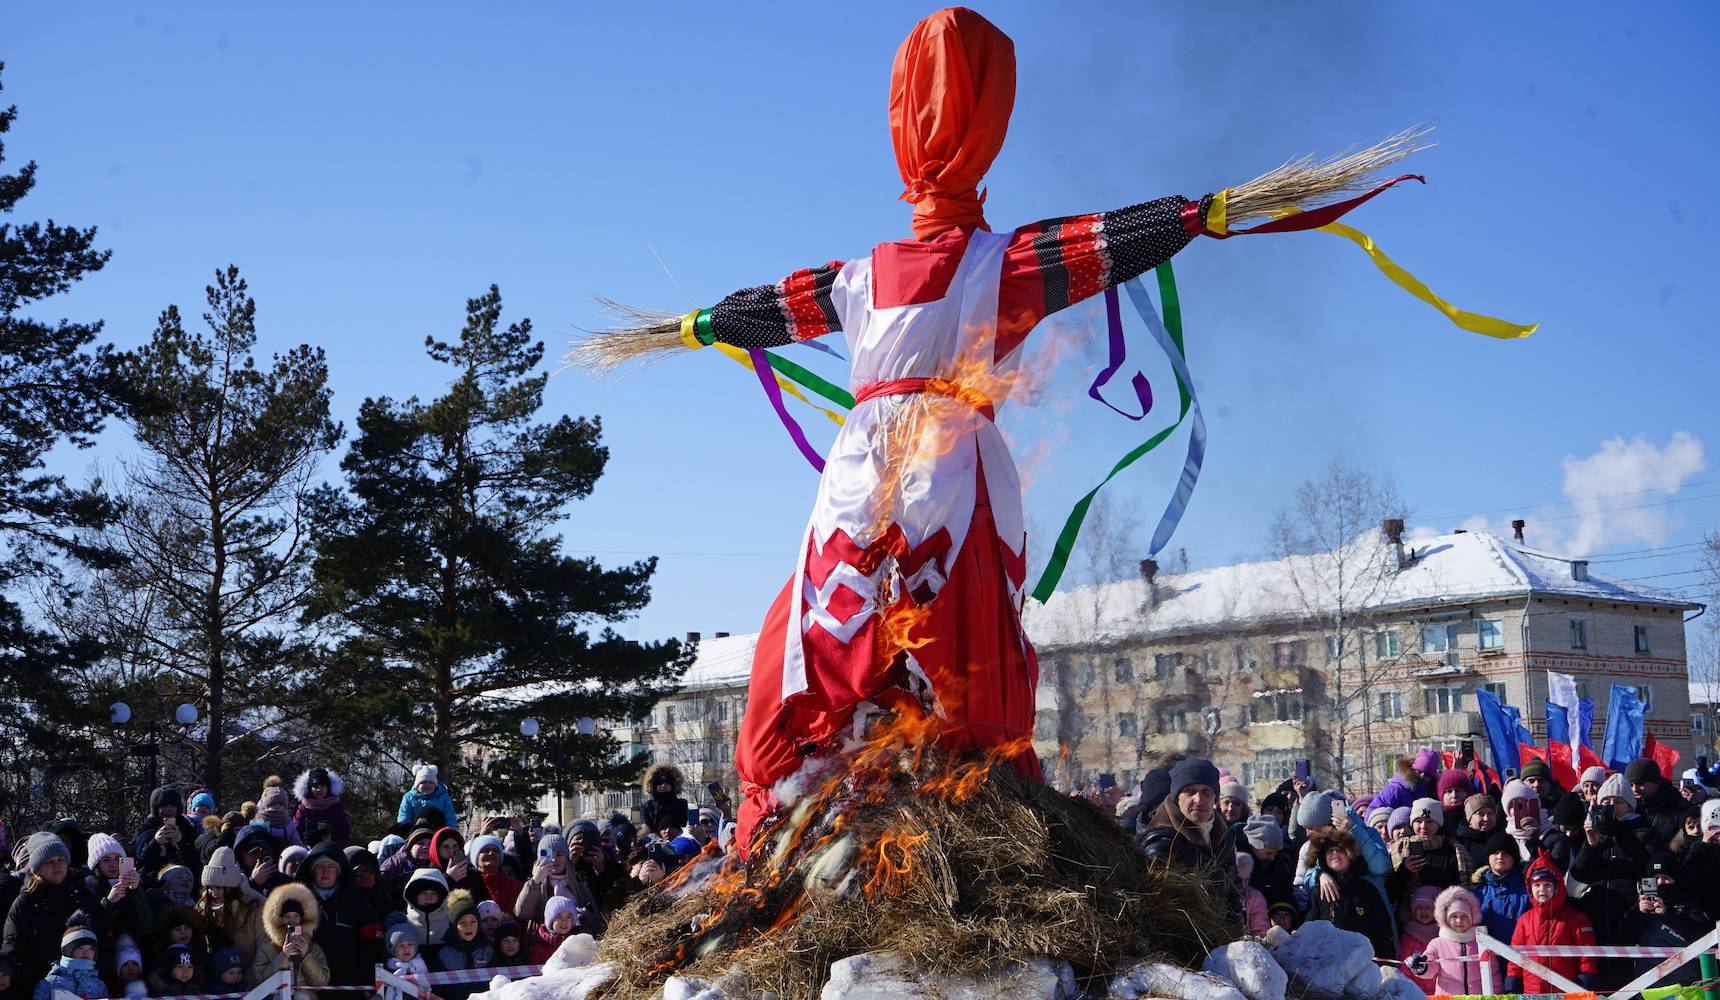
point(936, 386)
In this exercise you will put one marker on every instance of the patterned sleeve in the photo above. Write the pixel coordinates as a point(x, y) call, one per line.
point(1054, 264)
point(798, 307)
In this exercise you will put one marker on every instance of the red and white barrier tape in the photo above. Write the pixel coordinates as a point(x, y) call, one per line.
point(474, 975)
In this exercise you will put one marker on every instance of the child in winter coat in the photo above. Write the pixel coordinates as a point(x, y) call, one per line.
point(1500, 887)
point(7, 990)
point(463, 947)
point(1551, 920)
point(1419, 930)
point(320, 816)
point(1450, 958)
point(75, 972)
point(275, 812)
point(178, 973)
point(227, 971)
point(427, 909)
point(558, 919)
point(1359, 905)
point(1254, 920)
point(427, 791)
point(404, 940)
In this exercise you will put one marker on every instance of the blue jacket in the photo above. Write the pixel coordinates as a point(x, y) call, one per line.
point(411, 803)
point(1503, 900)
point(74, 975)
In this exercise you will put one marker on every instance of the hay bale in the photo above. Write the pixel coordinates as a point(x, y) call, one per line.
point(955, 864)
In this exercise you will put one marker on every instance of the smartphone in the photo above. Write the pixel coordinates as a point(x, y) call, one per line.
point(1466, 750)
point(1417, 850)
point(127, 865)
point(296, 930)
point(545, 853)
point(1648, 887)
point(718, 795)
point(1302, 772)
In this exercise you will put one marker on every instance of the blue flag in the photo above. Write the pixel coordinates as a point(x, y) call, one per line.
point(1624, 733)
point(1558, 724)
point(1586, 721)
point(1501, 730)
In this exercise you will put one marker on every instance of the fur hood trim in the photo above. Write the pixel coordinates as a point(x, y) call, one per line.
point(656, 773)
point(302, 784)
point(307, 900)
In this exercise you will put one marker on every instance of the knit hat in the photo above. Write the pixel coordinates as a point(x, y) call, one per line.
point(1427, 807)
point(1263, 833)
point(1316, 810)
point(1400, 818)
point(1154, 787)
point(552, 844)
point(102, 845)
point(222, 870)
point(1452, 779)
point(1500, 842)
point(478, 844)
point(1244, 865)
point(388, 845)
point(1233, 790)
point(202, 800)
point(507, 928)
point(1288, 909)
point(1536, 769)
point(1711, 814)
point(1542, 873)
point(1643, 770)
point(42, 848)
point(1276, 801)
point(1619, 786)
point(1193, 771)
point(275, 805)
point(489, 908)
point(1594, 773)
point(459, 905)
point(426, 772)
point(1380, 814)
point(176, 955)
point(226, 958)
point(556, 907)
point(1425, 894)
point(77, 932)
point(127, 953)
point(1664, 863)
point(1570, 811)
point(1475, 803)
point(404, 931)
point(1428, 761)
point(293, 855)
point(685, 846)
point(1454, 898)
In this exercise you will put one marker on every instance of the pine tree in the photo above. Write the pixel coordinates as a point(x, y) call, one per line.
point(54, 390)
point(442, 569)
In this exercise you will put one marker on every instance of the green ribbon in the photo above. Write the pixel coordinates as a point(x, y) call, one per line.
point(1065, 545)
point(811, 382)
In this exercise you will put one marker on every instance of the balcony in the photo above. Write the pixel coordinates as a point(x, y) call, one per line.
point(1172, 742)
point(1180, 684)
point(1277, 736)
point(1446, 724)
point(1286, 678)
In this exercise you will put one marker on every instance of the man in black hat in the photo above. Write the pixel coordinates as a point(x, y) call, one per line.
point(1656, 798)
point(1185, 831)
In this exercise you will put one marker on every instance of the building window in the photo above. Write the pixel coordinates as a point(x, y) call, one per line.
point(1699, 725)
point(1211, 720)
point(1441, 700)
point(1582, 689)
point(1439, 638)
point(1276, 706)
point(1579, 634)
point(1173, 720)
point(1166, 664)
point(1126, 724)
point(1334, 647)
point(1125, 670)
point(1489, 634)
point(1210, 660)
point(1385, 645)
point(1391, 704)
point(1276, 765)
point(1497, 690)
point(1642, 638)
point(1247, 772)
point(669, 717)
point(1289, 654)
point(1645, 694)
point(1244, 658)
point(1084, 675)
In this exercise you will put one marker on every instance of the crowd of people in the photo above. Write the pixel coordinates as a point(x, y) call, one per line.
point(200, 901)
point(1626, 858)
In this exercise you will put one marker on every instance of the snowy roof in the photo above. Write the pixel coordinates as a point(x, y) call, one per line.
point(721, 662)
point(1454, 569)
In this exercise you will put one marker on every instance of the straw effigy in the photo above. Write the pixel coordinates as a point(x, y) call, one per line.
point(957, 865)
point(646, 335)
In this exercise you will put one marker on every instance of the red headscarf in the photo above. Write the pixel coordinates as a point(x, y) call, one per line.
point(951, 91)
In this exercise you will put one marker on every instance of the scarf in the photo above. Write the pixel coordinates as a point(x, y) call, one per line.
point(315, 804)
point(1451, 935)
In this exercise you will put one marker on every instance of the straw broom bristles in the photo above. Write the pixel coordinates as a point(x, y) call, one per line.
point(649, 335)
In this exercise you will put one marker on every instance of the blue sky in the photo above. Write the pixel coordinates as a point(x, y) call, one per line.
point(369, 167)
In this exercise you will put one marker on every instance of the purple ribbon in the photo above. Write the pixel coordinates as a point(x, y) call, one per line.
point(767, 378)
point(1119, 354)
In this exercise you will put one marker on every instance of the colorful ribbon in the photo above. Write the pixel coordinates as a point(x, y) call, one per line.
point(1169, 335)
point(1487, 326)
point(1117, 354)
point(773, 391)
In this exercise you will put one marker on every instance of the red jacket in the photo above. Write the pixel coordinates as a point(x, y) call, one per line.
point(544, 944)
point(504, 889)
point(1558, 922)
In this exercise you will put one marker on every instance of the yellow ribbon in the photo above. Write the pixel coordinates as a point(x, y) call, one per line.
point(688, 337)
point(741, 357)
point(1487, 326)
point(1215, 213)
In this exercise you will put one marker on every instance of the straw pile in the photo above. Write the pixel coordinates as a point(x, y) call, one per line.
point(956, 864)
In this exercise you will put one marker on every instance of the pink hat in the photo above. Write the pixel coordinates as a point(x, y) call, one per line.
point(1454, 898)
point(1427, 761)
point(1453, 779)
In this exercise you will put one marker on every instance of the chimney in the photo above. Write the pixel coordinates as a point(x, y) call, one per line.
point(692, 637)
point(719, 635)
point(1580, 570)
point(1517, 527)
point(1150, 570)
point(1393, 529)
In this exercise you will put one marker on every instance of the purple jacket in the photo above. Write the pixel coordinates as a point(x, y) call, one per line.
point(1399, 792)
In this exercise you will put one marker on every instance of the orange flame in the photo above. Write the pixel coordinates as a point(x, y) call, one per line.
point(889, 869)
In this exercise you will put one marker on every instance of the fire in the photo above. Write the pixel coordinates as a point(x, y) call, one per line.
point(889, 869)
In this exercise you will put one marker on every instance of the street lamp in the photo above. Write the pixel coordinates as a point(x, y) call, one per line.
point(586, 726)
point(120, 714)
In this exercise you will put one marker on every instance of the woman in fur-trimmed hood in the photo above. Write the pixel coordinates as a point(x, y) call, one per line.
point(664, 808)
point(291, 905)
point(320, 815)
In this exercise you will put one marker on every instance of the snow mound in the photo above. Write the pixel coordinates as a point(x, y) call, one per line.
point(585, 982)
point(1251, 968)
point(1394, 985)
point(883, 975)
point(1324, 961)
point(1161, 979)
point(694, 988)
point(578, 950)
